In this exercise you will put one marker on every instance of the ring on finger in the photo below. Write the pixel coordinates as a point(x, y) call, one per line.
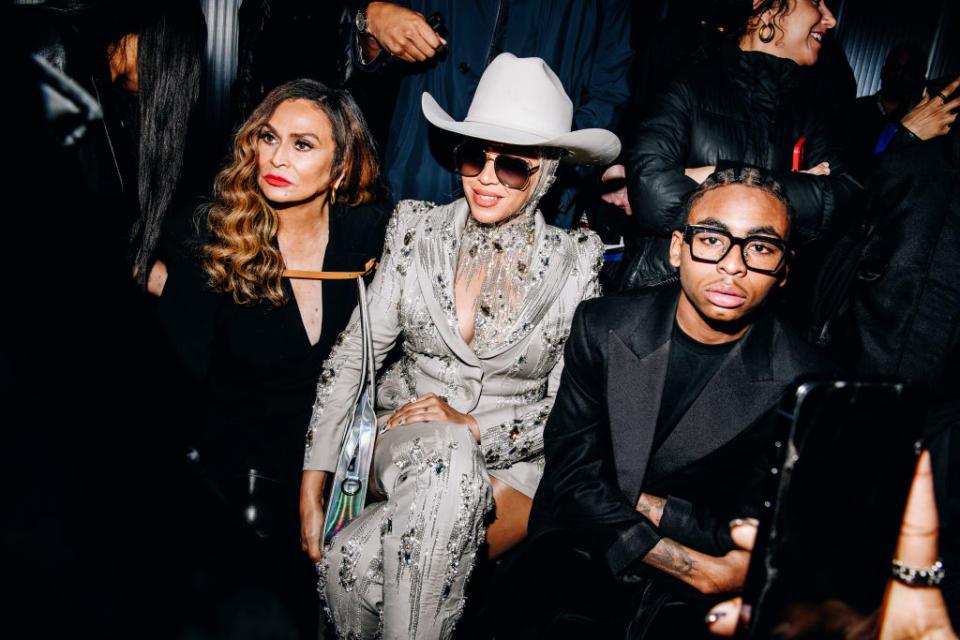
point(941, 96)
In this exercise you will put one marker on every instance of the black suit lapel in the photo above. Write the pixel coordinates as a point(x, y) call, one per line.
point(634, 387)
point(739, 393)
point(635, 376)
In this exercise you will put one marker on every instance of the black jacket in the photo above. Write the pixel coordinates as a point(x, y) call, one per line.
point(255, 365)
point(904, 317)
point(598, 438)
point(743, 109)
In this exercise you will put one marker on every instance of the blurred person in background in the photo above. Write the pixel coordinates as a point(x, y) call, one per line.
point(741, 108)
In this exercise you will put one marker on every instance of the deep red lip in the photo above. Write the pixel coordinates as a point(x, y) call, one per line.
point(276, 181)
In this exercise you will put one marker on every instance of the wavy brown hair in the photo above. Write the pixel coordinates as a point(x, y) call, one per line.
point(243, 258)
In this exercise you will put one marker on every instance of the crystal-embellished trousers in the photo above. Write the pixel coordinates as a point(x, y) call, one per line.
point(400, 569)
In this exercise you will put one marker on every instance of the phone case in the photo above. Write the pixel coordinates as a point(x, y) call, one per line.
point(833, 507)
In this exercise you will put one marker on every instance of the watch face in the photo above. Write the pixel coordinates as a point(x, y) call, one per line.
point(361, 22)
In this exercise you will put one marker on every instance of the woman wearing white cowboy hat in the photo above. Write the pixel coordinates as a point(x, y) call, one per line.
point(483, 293)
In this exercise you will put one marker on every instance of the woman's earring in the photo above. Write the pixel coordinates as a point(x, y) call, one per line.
point(333, 195)
point(766, 32)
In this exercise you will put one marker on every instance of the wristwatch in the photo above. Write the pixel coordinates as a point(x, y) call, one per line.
point(360, 20)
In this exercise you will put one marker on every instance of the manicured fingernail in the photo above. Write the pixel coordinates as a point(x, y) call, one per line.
point(736, 522)
point(724, 609)
point(713, 616)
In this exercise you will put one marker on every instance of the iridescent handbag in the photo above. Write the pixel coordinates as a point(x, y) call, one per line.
point(349, 491)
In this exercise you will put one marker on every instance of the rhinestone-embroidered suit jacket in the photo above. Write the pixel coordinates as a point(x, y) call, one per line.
point(510, 389)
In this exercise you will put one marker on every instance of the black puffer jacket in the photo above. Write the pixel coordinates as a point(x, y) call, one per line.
point(743, 109)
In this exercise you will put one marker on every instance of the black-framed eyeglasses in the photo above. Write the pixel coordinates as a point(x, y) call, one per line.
point(470, 157)
point(760, 253)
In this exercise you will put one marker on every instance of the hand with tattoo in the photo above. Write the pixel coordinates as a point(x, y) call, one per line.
point(705, 573)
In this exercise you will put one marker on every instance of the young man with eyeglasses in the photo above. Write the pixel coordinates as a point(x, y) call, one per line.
point(664, 425)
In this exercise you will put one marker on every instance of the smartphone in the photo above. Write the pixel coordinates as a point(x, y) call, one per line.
point(832, 509)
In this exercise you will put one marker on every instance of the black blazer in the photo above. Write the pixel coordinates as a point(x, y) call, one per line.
point(254, 365)
point(599, 436)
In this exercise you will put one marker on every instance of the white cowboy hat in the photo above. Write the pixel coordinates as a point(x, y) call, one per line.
point(521, 101)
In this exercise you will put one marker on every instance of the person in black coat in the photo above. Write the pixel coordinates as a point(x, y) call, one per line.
point(903, 315)
point(255, 320)
point(744, 107)
point(664, 425)
point(101, 142)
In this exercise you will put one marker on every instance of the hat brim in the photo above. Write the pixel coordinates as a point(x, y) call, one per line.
point(586, 146)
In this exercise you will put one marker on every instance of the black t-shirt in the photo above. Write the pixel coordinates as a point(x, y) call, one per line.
point(691, 365)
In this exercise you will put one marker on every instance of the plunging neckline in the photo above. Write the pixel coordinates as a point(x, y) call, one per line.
point(305, 332)
point(473, 318)
point(492, 261)
point(296, 304)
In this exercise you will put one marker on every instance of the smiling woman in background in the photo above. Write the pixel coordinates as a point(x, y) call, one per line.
point(297, 195)
point(741, 107)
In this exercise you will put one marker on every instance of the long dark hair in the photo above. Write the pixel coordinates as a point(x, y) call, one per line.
point(171, 41)
point(170, 54)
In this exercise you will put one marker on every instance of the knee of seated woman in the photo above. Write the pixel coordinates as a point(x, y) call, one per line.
point(439, 449)
point(437, 436)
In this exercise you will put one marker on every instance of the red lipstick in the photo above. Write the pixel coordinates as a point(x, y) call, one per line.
point(276, 181)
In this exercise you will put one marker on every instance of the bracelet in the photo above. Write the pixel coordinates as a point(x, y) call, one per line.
point(912, 577)
point(910, 134)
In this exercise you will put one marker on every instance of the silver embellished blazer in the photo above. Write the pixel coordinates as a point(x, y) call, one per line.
point(508, 390)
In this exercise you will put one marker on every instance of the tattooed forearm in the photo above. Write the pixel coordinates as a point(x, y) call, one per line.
point(651, 507)
point(672, 558)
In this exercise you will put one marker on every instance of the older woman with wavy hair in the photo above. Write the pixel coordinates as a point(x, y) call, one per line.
point(298, 197)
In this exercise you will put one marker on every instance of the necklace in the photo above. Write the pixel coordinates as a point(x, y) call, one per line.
point(499, 256)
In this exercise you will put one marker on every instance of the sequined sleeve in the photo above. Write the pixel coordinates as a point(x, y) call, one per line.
point(340, 377)
point(513, 434)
